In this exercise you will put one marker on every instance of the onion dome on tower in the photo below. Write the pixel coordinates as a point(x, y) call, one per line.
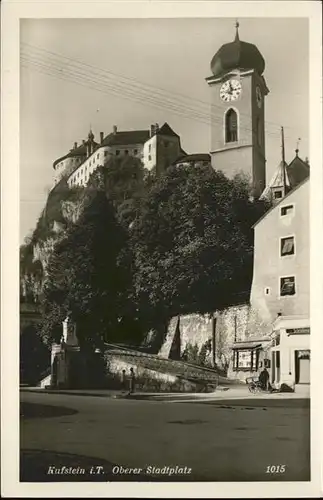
point(237, 55)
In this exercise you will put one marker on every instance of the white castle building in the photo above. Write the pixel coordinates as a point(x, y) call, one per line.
point(157, 148)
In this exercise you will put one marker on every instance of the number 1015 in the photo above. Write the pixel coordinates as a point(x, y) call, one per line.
point(275, 469)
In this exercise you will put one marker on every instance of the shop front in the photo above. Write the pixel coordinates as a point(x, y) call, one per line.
point(291, 353)
point(249, 357)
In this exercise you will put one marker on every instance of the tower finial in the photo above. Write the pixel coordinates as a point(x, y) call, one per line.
point(237, 30)
point(297, 145)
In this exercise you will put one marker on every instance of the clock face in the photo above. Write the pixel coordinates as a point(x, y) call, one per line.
point(258, 97)
point(230, 90)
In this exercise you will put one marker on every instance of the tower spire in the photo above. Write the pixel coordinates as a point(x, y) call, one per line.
point(237, 31)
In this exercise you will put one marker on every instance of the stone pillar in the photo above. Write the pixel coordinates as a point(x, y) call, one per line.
point(56, 349)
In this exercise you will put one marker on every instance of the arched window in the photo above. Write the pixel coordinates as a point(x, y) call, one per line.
point(231, 126)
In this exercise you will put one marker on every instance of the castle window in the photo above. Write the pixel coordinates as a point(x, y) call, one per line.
point(231, 126)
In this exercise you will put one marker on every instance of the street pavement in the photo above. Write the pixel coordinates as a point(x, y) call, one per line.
point(219, 440)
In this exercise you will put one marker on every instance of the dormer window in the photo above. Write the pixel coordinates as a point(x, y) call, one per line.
point(278, 194)
point(231, 126)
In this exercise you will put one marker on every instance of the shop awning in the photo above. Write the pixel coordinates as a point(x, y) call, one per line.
point(247, 345)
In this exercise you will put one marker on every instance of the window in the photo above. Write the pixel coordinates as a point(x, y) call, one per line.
point(287, 286)
point(231, 126)
point(105, 153)
point(149, 157)
point(98, 155)
point(288, 209)
point(287, 246)
point(117, 152)
point(278, 194)
point(126, 151)
point(135, 151)
point(267, 291)
point(246, 359)
point(149, 148)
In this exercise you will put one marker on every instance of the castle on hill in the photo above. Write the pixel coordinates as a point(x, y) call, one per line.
point(273, 328)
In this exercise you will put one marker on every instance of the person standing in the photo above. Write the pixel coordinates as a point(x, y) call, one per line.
point(132, 381)
point(264, 379)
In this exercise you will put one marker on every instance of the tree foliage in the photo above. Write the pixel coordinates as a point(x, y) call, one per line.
point(193, 242)
point(147, 248)
point(89, 276)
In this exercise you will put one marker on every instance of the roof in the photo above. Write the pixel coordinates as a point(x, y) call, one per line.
point(79, 151)
point(279, 179)
point(251, 343)
point(166, 130)
point(126, 137)
point(237, 54)
point(194, 157)
point(281, 200)
point(297, 171)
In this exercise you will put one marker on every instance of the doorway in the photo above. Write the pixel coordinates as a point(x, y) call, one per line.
point(302, 367)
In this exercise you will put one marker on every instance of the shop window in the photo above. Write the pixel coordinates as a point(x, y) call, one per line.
point(287, 286)
point(287, 210)
point(245, 359)
point(287, 246)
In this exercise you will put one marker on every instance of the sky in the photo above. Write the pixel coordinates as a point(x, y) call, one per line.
point(77, 73)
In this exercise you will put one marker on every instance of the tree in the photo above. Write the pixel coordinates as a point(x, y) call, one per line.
point(193, 242)
point(90, 278)
point(34, 355)
point(124, 185)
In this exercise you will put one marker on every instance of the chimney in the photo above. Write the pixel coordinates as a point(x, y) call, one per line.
point(156, 127)
point(152, 130)
point(75, 145)
point(114, 129)
point(89, 149)
point(101, 137)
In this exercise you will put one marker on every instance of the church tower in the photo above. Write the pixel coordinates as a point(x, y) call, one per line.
point(238, 92)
